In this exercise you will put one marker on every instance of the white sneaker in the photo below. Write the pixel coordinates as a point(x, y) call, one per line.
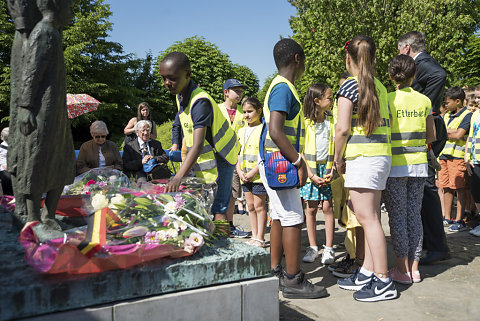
point(310, 256)
point(328, 256)
point(475, 231)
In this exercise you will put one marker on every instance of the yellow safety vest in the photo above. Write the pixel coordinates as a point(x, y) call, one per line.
point(471, 137)
point(310, 151)
point(409, 110)
point(331, 142)
point(378, 143)
point(224, 138)
point(249, 150)
point(238, 121)
point(455, 148)
point(290, 127)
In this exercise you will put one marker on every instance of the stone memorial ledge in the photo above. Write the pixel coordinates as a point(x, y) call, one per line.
point(243, 301)
point(218, 273)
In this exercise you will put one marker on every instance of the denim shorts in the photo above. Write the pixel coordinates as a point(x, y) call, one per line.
point(224, 186)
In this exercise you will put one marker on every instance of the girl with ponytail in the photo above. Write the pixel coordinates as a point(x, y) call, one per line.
point(363, 153)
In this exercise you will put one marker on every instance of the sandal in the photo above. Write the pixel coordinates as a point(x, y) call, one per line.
point(258, 243)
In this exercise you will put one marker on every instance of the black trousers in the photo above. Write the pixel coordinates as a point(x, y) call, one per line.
point(6, 182)
point(432, 219)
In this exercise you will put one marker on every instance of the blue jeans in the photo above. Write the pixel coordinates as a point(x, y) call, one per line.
point(224, 186)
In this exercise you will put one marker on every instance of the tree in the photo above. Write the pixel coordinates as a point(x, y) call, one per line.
point(210, 69)
point(6, 39)
point(468, 68)
point(323, 26)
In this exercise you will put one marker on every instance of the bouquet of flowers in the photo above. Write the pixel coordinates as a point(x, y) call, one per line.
point(98, 180)
point(127, 226)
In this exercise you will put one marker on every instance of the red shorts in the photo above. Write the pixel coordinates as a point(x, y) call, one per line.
point(452, 175)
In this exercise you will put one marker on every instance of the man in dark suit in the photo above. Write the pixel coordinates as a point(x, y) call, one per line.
point(142, 150)
point(430, 81)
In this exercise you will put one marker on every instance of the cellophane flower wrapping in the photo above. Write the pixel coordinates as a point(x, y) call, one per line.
point(127, 225)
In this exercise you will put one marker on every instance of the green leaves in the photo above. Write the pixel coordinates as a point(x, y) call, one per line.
point(210, 68)
point(323, 27)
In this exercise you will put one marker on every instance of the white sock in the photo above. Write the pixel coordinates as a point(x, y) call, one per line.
point(328, 248)
point(365, 272)
point(385, 280)
point(315, 248)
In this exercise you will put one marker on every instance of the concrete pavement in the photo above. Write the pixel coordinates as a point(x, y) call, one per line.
point(450, 290)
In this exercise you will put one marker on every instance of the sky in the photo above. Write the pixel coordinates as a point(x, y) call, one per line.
point(245, 30)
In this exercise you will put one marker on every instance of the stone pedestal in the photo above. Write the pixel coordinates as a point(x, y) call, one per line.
point(221, 271)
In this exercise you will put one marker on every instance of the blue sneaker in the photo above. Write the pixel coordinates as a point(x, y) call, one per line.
point(238, 232)
point(447, 222)
point(458, 226)
point(376, 290)
point(354, 282)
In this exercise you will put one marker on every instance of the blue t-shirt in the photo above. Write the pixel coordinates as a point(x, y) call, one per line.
point(282, 99)
point(201, 111)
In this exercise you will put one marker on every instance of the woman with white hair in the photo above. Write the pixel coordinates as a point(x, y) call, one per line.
point(5, 177)
point(143, 157)
point(98, 152)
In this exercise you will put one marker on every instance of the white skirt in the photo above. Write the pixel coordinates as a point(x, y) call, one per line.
point(368, 172)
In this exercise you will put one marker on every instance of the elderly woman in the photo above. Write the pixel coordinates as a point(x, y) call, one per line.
point(98, 152)
point(143, 113)
point(5, 177)
point(141, 151)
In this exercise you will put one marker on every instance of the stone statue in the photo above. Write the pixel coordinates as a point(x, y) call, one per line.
point(41, 159)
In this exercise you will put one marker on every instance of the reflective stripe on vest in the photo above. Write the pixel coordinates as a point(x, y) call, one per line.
point(378, 143)
point(455, 148)
point(238, 121)
point(409, 110)
point(224, 138)
point(249, 150)
point(290, 126)
point(470, 137)
point(310, 150)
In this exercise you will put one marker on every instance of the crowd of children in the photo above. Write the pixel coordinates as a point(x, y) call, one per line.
point(348, 151)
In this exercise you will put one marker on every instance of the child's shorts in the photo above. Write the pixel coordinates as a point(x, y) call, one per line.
point(452, 174)
point(310, 192)
point(254, 188)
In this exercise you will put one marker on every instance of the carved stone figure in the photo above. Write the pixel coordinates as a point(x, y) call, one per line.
point(43, 159)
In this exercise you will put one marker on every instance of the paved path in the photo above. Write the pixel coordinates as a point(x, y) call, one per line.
point(449, 291)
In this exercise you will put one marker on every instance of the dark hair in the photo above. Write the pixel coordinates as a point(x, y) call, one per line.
point(402, 69)
point(469, 98)
point(361, 50)
point(455, 93)
point(140, 107)
point(309, 107)
point(345, 75)
point(179, 59)
point(415, 39)
point(257, 105)
point(285, 50)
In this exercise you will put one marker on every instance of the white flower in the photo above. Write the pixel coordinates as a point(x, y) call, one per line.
point(99, 201)
point(187, 246)
point(171, 207)
point(171, 233)
point(112, 178)
point(161, 235)
point(196, 239)
point(118, 199)
point(179, 225)
point(136, 231)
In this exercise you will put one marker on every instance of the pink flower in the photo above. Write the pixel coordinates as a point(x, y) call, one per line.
point(90, 182)
point(187, 246)
point(196, 240)
point(150, 238)
point(180, 202)
point(102, 184)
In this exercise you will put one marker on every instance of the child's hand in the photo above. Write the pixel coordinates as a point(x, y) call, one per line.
point(249, 176)
point(328, 178)
point(317, 180)
point(243, 177)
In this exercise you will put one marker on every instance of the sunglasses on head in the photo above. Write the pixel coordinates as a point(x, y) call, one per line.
point(100, 136)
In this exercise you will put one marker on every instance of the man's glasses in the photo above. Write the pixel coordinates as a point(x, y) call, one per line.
point(100, 136)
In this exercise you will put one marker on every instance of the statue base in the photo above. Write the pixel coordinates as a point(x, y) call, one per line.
point(231, 274)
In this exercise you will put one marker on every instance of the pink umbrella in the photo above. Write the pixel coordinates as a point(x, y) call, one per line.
point(79, 104)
